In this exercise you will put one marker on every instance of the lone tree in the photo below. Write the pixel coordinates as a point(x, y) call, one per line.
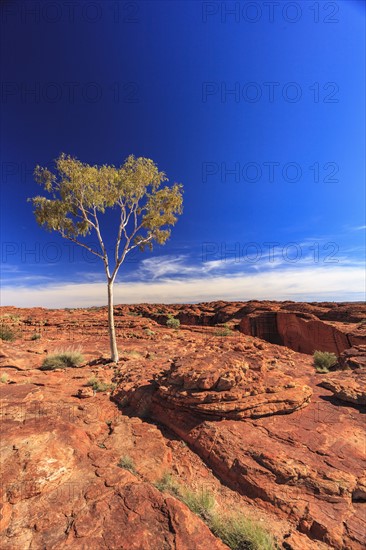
point(80, 193)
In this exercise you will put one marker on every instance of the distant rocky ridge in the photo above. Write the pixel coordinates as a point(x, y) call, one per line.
point(303, 327)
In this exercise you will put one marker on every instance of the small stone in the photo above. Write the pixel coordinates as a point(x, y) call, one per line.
point(84, 393)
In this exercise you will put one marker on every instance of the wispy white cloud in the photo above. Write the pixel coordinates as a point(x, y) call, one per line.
point(330, 282)
point(350, 228)
point(162, 266)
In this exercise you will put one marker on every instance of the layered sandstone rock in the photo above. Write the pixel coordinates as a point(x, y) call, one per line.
point(303, 327)
point(301, 332)
point(306, 466)
point(348, 386)
point(60, 481)
point(303, 472)
point(225, 386)
point(353, 358)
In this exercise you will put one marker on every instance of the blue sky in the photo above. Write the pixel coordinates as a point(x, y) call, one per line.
point(259, 113)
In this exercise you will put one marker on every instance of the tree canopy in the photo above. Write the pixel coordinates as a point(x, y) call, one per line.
point(79, 192)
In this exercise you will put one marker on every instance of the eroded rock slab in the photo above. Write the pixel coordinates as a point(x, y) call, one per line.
point(348, 386)
point(61, 485)
point(226, 386)
point(353, 358)
point(307, 466)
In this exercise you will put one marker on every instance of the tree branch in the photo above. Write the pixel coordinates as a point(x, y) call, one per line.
point(144, 241)
point(80, 204)
point(121, 227)
point(97, 230)
point(65, 236)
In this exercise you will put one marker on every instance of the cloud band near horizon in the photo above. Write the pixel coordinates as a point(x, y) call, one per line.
point(320, 283)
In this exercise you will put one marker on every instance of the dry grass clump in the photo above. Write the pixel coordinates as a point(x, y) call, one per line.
point(323, 361)
point(7, 334)
point(233, 528)
point(62, 359)
point(99, 385)
point(127, 463)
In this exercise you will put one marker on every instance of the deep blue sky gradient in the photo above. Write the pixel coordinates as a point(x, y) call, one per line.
point(152, 74)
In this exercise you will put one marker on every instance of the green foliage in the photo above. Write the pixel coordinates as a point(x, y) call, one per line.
point(99, 385)
point(172, 322)
point(149, 332)
point(323, 361)
point(62, 360)
point(80, 191)
point(4, 378)
point(240, 533)
point(233, 528)
point(167, 484)
point(127, 463)
point(35, 336)
point(7, 334)
point(201, 502)
point(224, 330)
point(11, 317)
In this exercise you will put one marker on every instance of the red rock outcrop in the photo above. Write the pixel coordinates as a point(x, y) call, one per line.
point(225, 386)
point(301, 332)
point(353, 358)
point(303, 327)
point(307, 465)
point(302, 473)
point(348, 386)
point(61, 485)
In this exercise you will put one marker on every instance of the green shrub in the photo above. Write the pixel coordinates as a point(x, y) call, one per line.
point(11, 317)
point(233, 528)
point(201, 502)
point(62, 360)
point(168, 484)
point(35, 336)
point(323, 361)
point(99, 386)
point(149, 332)
point(224, 330)
point(172, 322)
point(4, 378)
point(239, 532)
point(127, 463)
point(7, 334)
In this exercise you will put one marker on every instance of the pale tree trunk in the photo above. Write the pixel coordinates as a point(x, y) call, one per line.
point(111, 329)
